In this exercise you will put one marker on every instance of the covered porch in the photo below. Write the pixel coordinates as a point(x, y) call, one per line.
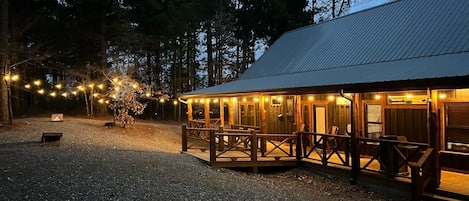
point(395, 135)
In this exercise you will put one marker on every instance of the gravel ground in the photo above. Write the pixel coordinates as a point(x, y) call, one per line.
point(140, 163)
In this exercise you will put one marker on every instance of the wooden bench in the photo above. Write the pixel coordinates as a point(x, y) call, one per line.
point(51, 137)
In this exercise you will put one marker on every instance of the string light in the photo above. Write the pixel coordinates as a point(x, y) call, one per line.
point(27, 86)
point(40, 91)
point(53, 94)
point(58, 86)
point(15, 78)
point(175, 102)
point(64, 94)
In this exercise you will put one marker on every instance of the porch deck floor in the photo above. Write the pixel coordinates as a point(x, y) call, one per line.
point(450, 181)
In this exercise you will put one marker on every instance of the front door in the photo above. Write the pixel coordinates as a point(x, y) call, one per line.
point(247, 111)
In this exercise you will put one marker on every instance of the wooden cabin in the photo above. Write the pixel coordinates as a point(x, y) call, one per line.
point(396, 71)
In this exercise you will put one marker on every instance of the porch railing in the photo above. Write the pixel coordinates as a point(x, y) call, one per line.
point(326, 148)
point(391, 158)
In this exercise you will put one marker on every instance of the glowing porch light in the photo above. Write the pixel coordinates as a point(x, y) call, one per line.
point(378, 97)
point(266, 98)
point(245, 99)
point(189, 100)
point(175, 102)
point(331, 98)
point(225, 100)
point(196, 100)
point(37, 82)
point(442, 96)
point(256, 100)
point(310, 98)
point(279, 99)
point(215, 100)
point(409, 95)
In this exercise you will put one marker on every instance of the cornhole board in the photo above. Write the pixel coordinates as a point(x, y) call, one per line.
point(58, 117)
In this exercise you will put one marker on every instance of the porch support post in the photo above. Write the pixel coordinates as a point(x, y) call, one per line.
point(231, 111)
point(207, 113)
point(222, 112)
point(433, 136)
point(263, 115)
point(299, 118)
point(189, 110)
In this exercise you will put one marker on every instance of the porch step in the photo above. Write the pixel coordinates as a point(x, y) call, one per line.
point(442, 195)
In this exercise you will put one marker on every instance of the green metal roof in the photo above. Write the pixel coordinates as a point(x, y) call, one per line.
point(399, 41)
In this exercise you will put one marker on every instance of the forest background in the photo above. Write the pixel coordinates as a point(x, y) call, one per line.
point(73, 56)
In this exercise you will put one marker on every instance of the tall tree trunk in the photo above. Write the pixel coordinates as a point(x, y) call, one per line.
point(4, 64)
point(210, 55)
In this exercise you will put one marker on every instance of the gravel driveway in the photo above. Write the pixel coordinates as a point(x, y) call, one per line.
point(140, 163)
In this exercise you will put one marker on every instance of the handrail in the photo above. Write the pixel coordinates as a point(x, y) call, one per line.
point(421, 174)
point(422, 160)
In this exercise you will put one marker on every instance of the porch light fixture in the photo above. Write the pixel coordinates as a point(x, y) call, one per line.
point(409, 95)
point(279, 99)
point(189, 100)
point(215, 100)
point(256, 99)
point(310, 98)
point(225, 99)
point(245, 99)
point(196, 100)
point(37, 82)
point(378, 97)
point(331, 98)
point(201, 101)
point(442, 96)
